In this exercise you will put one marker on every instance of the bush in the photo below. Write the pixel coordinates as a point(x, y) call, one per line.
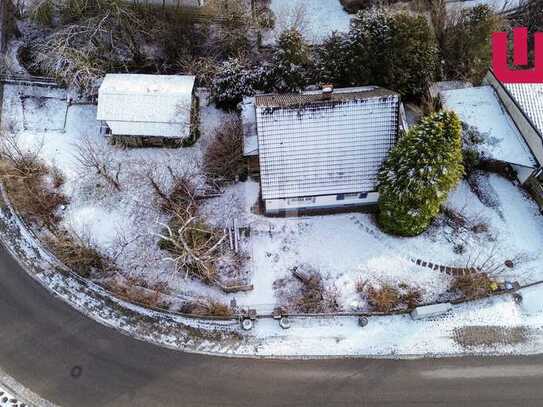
point(223, 158)
point(78, 254)
point(465, 40)
point(314, 297)
point(232, 38)
point(383, 299)
point(232, 82)
point(418, 174)
point(207, 307)
point(474, 284)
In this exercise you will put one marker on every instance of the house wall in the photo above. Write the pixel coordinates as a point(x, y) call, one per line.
point(169, 130)
point(529, 133)
point(276, 206)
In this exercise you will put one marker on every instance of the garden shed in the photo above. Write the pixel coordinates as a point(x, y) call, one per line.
point(320, 149)
point(139, 109)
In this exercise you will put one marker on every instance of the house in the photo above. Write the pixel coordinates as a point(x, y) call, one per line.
point(320, 150)
point(140, 110)
point(522, 140)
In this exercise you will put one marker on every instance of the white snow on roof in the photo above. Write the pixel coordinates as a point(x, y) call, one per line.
point(481, 108)
point(529, 97)
point(146, 105)
point(325, 148)
point(248, 116)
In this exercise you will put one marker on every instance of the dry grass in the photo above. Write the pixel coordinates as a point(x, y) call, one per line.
point(387, 298)
point(315, 297)
point(27, 181)
point(137, 290)
point(383, 299)
point(207, 307)
point(223, 159)
point(78, 254)
point(474, 284)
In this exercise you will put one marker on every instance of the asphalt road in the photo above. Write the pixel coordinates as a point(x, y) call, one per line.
point(73, 361)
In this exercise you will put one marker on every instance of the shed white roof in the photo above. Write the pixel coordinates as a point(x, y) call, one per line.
point(480, 107)
point(529, 96)
point(309, 146)
point(146, 105)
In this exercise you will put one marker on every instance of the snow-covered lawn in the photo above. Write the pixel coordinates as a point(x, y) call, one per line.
point(344, 248)
point(122, 224)
point(315, 19)
point(347, 248)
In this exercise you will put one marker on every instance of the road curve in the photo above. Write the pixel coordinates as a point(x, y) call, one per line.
point(71, 360)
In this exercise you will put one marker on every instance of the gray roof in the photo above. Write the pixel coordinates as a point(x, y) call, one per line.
point(529, 96)
point(309, 145)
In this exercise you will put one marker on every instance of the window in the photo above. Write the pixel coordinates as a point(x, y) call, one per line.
point(363, 195)
point(340, 197)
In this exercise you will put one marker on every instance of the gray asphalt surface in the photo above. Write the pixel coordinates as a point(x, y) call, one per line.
point(71, 360)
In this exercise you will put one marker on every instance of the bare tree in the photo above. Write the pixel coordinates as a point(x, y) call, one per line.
point(92, 156)
point(195, 247)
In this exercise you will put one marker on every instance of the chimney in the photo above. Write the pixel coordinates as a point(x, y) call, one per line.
point(327, 90)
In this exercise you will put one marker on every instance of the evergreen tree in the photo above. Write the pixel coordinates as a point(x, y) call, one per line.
point(398, 51)
point(232, 82)
point(332, 60)
point(292, 62)
point(418, 174)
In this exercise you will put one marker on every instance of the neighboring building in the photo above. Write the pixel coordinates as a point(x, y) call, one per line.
point(501, 140)
point(510, 117)
point(524, 103)
point(148, 109)
point(320, 149)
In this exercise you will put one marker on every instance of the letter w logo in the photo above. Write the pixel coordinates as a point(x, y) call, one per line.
point(500, 55)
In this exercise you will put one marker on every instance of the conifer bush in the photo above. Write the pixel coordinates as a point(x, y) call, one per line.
point(418, 174)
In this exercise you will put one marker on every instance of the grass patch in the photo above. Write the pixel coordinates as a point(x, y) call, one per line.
point(78, 254)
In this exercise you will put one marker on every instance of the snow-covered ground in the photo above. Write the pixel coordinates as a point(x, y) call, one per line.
point(122, 224)
point(343, 248)
point(315, 19)
point(347, 248)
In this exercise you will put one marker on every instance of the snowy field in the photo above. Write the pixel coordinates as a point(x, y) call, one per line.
point(345, 249)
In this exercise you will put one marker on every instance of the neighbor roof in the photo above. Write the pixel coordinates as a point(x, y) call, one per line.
point(480, 107)
point(311, 146)
point(529, 97)
point(146, 105)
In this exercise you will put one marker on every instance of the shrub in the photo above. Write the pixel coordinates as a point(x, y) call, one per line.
point(418, 174)
point(464, 40)
point(474, 284)
point(208, 307)
point(223, 158)
point(412, 297)
point(78, 254)
point(315, 297)
point(383, 299)
point(235, 25)
point(232, 82)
